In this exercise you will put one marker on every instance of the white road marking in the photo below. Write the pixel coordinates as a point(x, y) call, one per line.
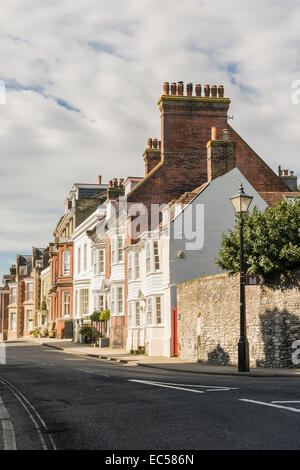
point(208, 388)
point(289, 408)
point(24, 402)
point(165, 386)
point(9, 439)
point(213, 387)
point(286, 401)
point(220, 389)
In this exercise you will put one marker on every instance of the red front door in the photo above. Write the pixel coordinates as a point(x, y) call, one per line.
point(175, 331)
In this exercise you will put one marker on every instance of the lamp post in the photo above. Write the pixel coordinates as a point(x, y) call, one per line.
point(241, 203)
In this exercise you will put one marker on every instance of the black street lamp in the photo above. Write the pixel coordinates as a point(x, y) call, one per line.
point(241, 203)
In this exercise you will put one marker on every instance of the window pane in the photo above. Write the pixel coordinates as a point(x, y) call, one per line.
point(30, 291)
point(130, 267)
point(120, 249)
point(156, 255)
point(66, 262)
point(79, 260)
point(158, 310)
point(129, 314)
point(137, 265)
point(148, 258)
point(137, 314)
point(149, 311)
point(120, 299)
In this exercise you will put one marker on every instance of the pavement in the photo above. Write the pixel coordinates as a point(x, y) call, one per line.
point(158, 362)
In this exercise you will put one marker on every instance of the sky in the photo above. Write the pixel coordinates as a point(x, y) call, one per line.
point(82, 81)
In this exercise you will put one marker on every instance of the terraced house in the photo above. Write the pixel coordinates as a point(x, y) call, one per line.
point(80, 203)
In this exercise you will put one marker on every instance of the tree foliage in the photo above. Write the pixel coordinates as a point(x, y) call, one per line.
point(271, 241)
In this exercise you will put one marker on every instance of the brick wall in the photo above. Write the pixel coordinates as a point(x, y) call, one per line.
point(257, 172)
point(208, 327)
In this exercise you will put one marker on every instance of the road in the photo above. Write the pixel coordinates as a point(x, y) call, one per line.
point(61, 401)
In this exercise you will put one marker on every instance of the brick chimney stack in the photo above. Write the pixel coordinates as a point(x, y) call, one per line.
point(152, 154)
point(187, 115)
point(289, 178)
point(221, 155)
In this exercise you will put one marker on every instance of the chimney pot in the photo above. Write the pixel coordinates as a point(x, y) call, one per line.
point(213, 133)
point(206, 90)
point(99, 179)
point(180, 89)
point(214, 91)
point(286, 172)
point(166, 88)
point(115, 180)
point(173, 88)
point(159, 144)
point(121, 181)
point(226, 134)
point(155, 143)
point(221, 91)
point(198, 89)
point(149, 143)
point(110, 183)
point(189, 89)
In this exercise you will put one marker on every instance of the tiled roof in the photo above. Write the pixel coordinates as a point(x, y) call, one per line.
point(272, 197)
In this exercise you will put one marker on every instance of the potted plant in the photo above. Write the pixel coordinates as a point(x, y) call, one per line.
point(35, 332)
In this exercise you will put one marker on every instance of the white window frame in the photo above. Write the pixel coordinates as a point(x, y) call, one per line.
point(84, 301)
point(66, 262)
point(156, 257)
point(65, 306)
point(117, 249)
point(120, 248)
point(99, 266)
point(138, 313)
point(113, 301)
point(85, 257)
point(11, 322)
point(120, 300)
point(28, 315)
point(99, 305)
point(149, 310)
point(158, 301)
point(129, 314)
point(130, 267)
point(137, 270)
point(29, 295)
point(79, 260)
point(148, 257)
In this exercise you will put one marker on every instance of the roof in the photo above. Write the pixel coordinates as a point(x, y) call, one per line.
point(275, 196)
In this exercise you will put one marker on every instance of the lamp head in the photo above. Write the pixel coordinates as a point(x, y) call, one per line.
point(241, 201)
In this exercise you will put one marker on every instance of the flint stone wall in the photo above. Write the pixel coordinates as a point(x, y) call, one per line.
point(208, 323)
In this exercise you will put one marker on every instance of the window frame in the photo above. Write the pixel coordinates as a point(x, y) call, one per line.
point(65, 262)
point(65, 294)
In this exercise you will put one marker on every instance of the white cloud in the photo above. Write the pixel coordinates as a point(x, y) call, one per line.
point(108, 60)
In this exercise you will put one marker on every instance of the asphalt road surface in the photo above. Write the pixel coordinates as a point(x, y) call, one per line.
point(56, 400)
